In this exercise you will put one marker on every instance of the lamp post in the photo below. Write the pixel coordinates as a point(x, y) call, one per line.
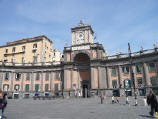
point(132, 74)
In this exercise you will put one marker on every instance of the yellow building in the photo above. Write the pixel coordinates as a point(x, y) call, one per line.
point(29, 50)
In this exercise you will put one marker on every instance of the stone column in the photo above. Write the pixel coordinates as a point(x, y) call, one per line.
point(99, 77)
point(120, 77)
point(71, 78)
point(65, 79)
point(146, 74)
point(78, 77)
point(12, 83)
point(92, 78)
point(42, 81)
point(32, 81)
point(22, 82)
point(107, 77)
point(51, 81)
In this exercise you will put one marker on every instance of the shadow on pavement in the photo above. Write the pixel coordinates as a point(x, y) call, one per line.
point(147, 116)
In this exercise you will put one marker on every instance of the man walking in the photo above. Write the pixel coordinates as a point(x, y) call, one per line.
point(152, 101)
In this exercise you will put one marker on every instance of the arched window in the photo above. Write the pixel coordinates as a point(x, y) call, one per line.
point(5, 87)
point(16, 87)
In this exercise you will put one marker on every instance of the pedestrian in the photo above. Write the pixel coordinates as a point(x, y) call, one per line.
point(127, 101)
point(145, 102)
point(5, 97)
point(113, 99)
point(101, 98)
point(117, 99)
point(152, 101)
point(1, 104)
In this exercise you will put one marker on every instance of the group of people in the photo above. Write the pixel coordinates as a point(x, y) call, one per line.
point(117, 99)
point(151, 100)
point(3, 103)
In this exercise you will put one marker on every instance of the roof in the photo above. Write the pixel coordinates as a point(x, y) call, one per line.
point(26, 40)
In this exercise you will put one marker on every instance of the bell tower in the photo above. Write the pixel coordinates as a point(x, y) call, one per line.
point(82, 34)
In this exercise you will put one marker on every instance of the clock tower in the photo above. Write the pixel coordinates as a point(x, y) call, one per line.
point(82, 34)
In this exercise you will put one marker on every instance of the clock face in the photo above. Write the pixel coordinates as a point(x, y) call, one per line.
point(80, 36)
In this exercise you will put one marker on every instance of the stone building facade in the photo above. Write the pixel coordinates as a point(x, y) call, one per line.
point(85, 70)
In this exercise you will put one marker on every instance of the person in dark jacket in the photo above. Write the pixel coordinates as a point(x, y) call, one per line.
point(152, 101)
point(4, 103)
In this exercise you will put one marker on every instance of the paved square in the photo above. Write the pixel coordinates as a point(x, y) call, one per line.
point(75, 109)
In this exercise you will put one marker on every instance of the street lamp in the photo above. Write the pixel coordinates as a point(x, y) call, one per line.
point(132, 74)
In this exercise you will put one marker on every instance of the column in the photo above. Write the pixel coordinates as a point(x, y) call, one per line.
point(107, 77)
point(42, 81)
point(65, 79)
point(146, 74)
point(78, 77)
point(12, 79)
point(51, 81)
point(22, 82)
point(92, 78)
point(120, 77)
point(71, 78)
point(32, 81)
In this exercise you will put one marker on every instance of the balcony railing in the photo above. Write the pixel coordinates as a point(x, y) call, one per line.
point(30, 64)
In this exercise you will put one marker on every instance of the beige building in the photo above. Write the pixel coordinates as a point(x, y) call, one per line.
point(85, 70)
point(29, 50)
point(56, 55)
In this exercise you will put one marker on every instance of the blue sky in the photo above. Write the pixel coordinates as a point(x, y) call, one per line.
point(115, 22)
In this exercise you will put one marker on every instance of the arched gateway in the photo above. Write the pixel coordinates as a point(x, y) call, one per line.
point(82, 62)
point(82, 75)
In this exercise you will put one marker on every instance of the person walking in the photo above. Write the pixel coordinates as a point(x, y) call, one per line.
point(152, 101)
point(113, 99)
point(117, 99)
point(5, 96)
point(101, 98)
point(1, 104)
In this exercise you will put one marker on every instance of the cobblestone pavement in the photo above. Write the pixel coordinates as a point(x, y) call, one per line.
point(76, 109)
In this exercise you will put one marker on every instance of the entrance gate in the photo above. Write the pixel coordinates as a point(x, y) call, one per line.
point(83, 64)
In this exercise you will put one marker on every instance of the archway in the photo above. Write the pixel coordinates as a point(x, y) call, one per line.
point(82, 61)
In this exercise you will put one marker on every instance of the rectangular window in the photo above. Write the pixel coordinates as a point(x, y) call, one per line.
point(47, 76)
point(114, 83)
point(6, 51)
point(37, 76)
point(36, 87)
point(23, 48)
point(113, 73)
point(46, 87)
point(125, 69)
point(17, 76)
point(28, 76)
point(56, 86)
point(138, 69)
point(151, 67)
point(27, 88)
point(139, 81)
point(13, 50)
point(127, 83)
point(153, 81)
point(34, 46)
point(7, 76)
point(56, 76)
